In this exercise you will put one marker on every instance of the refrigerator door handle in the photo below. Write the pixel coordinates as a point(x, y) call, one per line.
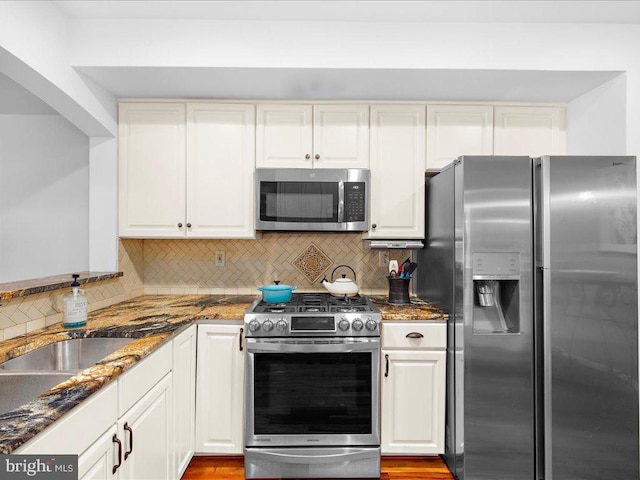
point(547, 371)
point(544, 210)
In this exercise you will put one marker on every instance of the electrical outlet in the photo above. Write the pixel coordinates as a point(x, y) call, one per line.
point(219, 258)
point(383, 258)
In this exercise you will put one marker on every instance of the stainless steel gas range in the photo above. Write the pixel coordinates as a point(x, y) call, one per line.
point(312, 388)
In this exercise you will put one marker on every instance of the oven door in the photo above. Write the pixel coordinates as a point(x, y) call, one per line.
point(312, 392)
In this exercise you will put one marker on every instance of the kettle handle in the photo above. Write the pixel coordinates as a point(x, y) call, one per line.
point(334, 271)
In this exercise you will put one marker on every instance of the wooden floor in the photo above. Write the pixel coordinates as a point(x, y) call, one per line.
point(393, 468)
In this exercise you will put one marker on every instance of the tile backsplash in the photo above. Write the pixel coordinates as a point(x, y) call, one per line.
point(24, 314)
point(188, 266)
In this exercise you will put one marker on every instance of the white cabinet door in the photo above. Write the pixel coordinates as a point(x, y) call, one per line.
point(455, 130)
point(397, 171)
point(413, 402)
point(147, 436)
point(151, 154)
point(341, 136)
point(284, 136)
point(184, 399)
point(98, 461)
point(532, 131)
point(220, 166)
point(220, 390)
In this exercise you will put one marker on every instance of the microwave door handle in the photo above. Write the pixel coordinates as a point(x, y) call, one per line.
point(340, 201)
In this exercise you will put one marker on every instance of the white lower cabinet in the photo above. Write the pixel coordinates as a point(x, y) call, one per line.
point(97, 462)
point(122, 432)
point(184, 399)
point(145, 431)
point(220, 390)
point(413, 388)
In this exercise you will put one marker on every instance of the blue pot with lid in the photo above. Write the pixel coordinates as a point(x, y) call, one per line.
point(276, 293)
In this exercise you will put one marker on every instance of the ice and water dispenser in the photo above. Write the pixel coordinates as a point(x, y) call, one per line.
point(496, 282)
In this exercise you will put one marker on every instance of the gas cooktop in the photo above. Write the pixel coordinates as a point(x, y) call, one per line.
point(317, 303)
point(314, 314)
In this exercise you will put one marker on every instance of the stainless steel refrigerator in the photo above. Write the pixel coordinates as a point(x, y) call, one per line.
point(536, 262)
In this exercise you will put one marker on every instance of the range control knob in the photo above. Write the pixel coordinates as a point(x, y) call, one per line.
point(267, 325)
point(254, 325)
point(357, 324)
point(281, 324)
point(371, 324)
point(343, 324)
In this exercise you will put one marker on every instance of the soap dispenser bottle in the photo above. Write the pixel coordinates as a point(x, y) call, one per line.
point(75, 305)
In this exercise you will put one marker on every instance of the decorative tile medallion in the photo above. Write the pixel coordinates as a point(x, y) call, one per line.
point(312, 263)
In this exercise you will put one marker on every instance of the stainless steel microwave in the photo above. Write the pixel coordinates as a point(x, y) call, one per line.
point(304, 199)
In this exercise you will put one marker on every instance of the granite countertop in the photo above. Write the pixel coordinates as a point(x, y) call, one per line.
point(419, 309)
point(151, 320)
point(33, 286)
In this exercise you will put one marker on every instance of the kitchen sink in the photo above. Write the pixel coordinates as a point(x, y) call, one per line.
point(19, 388)
point(69, 356)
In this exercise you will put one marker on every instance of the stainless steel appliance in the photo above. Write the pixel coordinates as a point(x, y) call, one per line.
point(304, 199)
point(312, 388)
point(536, 262)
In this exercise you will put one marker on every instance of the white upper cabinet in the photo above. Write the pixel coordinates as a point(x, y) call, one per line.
point(529, 130)
point(318, 136)
point(151, 173)
point(455, 130)
point(341, 136)
point(284, 136)
point(220, 166)
point(397, 171)
point(186, 170)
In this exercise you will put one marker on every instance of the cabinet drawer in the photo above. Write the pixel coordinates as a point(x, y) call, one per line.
point(140, 379)
point(429, 335)
point(76, 431)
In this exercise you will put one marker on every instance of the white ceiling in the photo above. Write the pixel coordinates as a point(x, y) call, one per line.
point(540, 11)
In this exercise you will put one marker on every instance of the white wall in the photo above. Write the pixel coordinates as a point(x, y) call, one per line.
point(44, 197)
point(103, 203)
point(34, 53)
point(597, 122)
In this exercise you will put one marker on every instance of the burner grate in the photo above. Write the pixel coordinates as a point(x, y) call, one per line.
point(317, 303)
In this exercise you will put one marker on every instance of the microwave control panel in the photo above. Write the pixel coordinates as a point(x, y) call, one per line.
point(354, 201)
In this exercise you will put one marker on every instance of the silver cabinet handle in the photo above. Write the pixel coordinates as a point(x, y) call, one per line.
point(415, 335)
point(307, 156)
point(317, 157)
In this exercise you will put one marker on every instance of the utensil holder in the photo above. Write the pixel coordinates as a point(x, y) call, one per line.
point(399, 290)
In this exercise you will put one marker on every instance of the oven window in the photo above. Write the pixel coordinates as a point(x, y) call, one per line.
point(312, 393)
point(299, 201)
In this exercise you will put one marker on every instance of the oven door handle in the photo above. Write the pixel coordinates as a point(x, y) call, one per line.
point(313, 456)
point(264, 347)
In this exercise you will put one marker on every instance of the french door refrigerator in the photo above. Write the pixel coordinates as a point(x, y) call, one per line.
point(535, 261)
